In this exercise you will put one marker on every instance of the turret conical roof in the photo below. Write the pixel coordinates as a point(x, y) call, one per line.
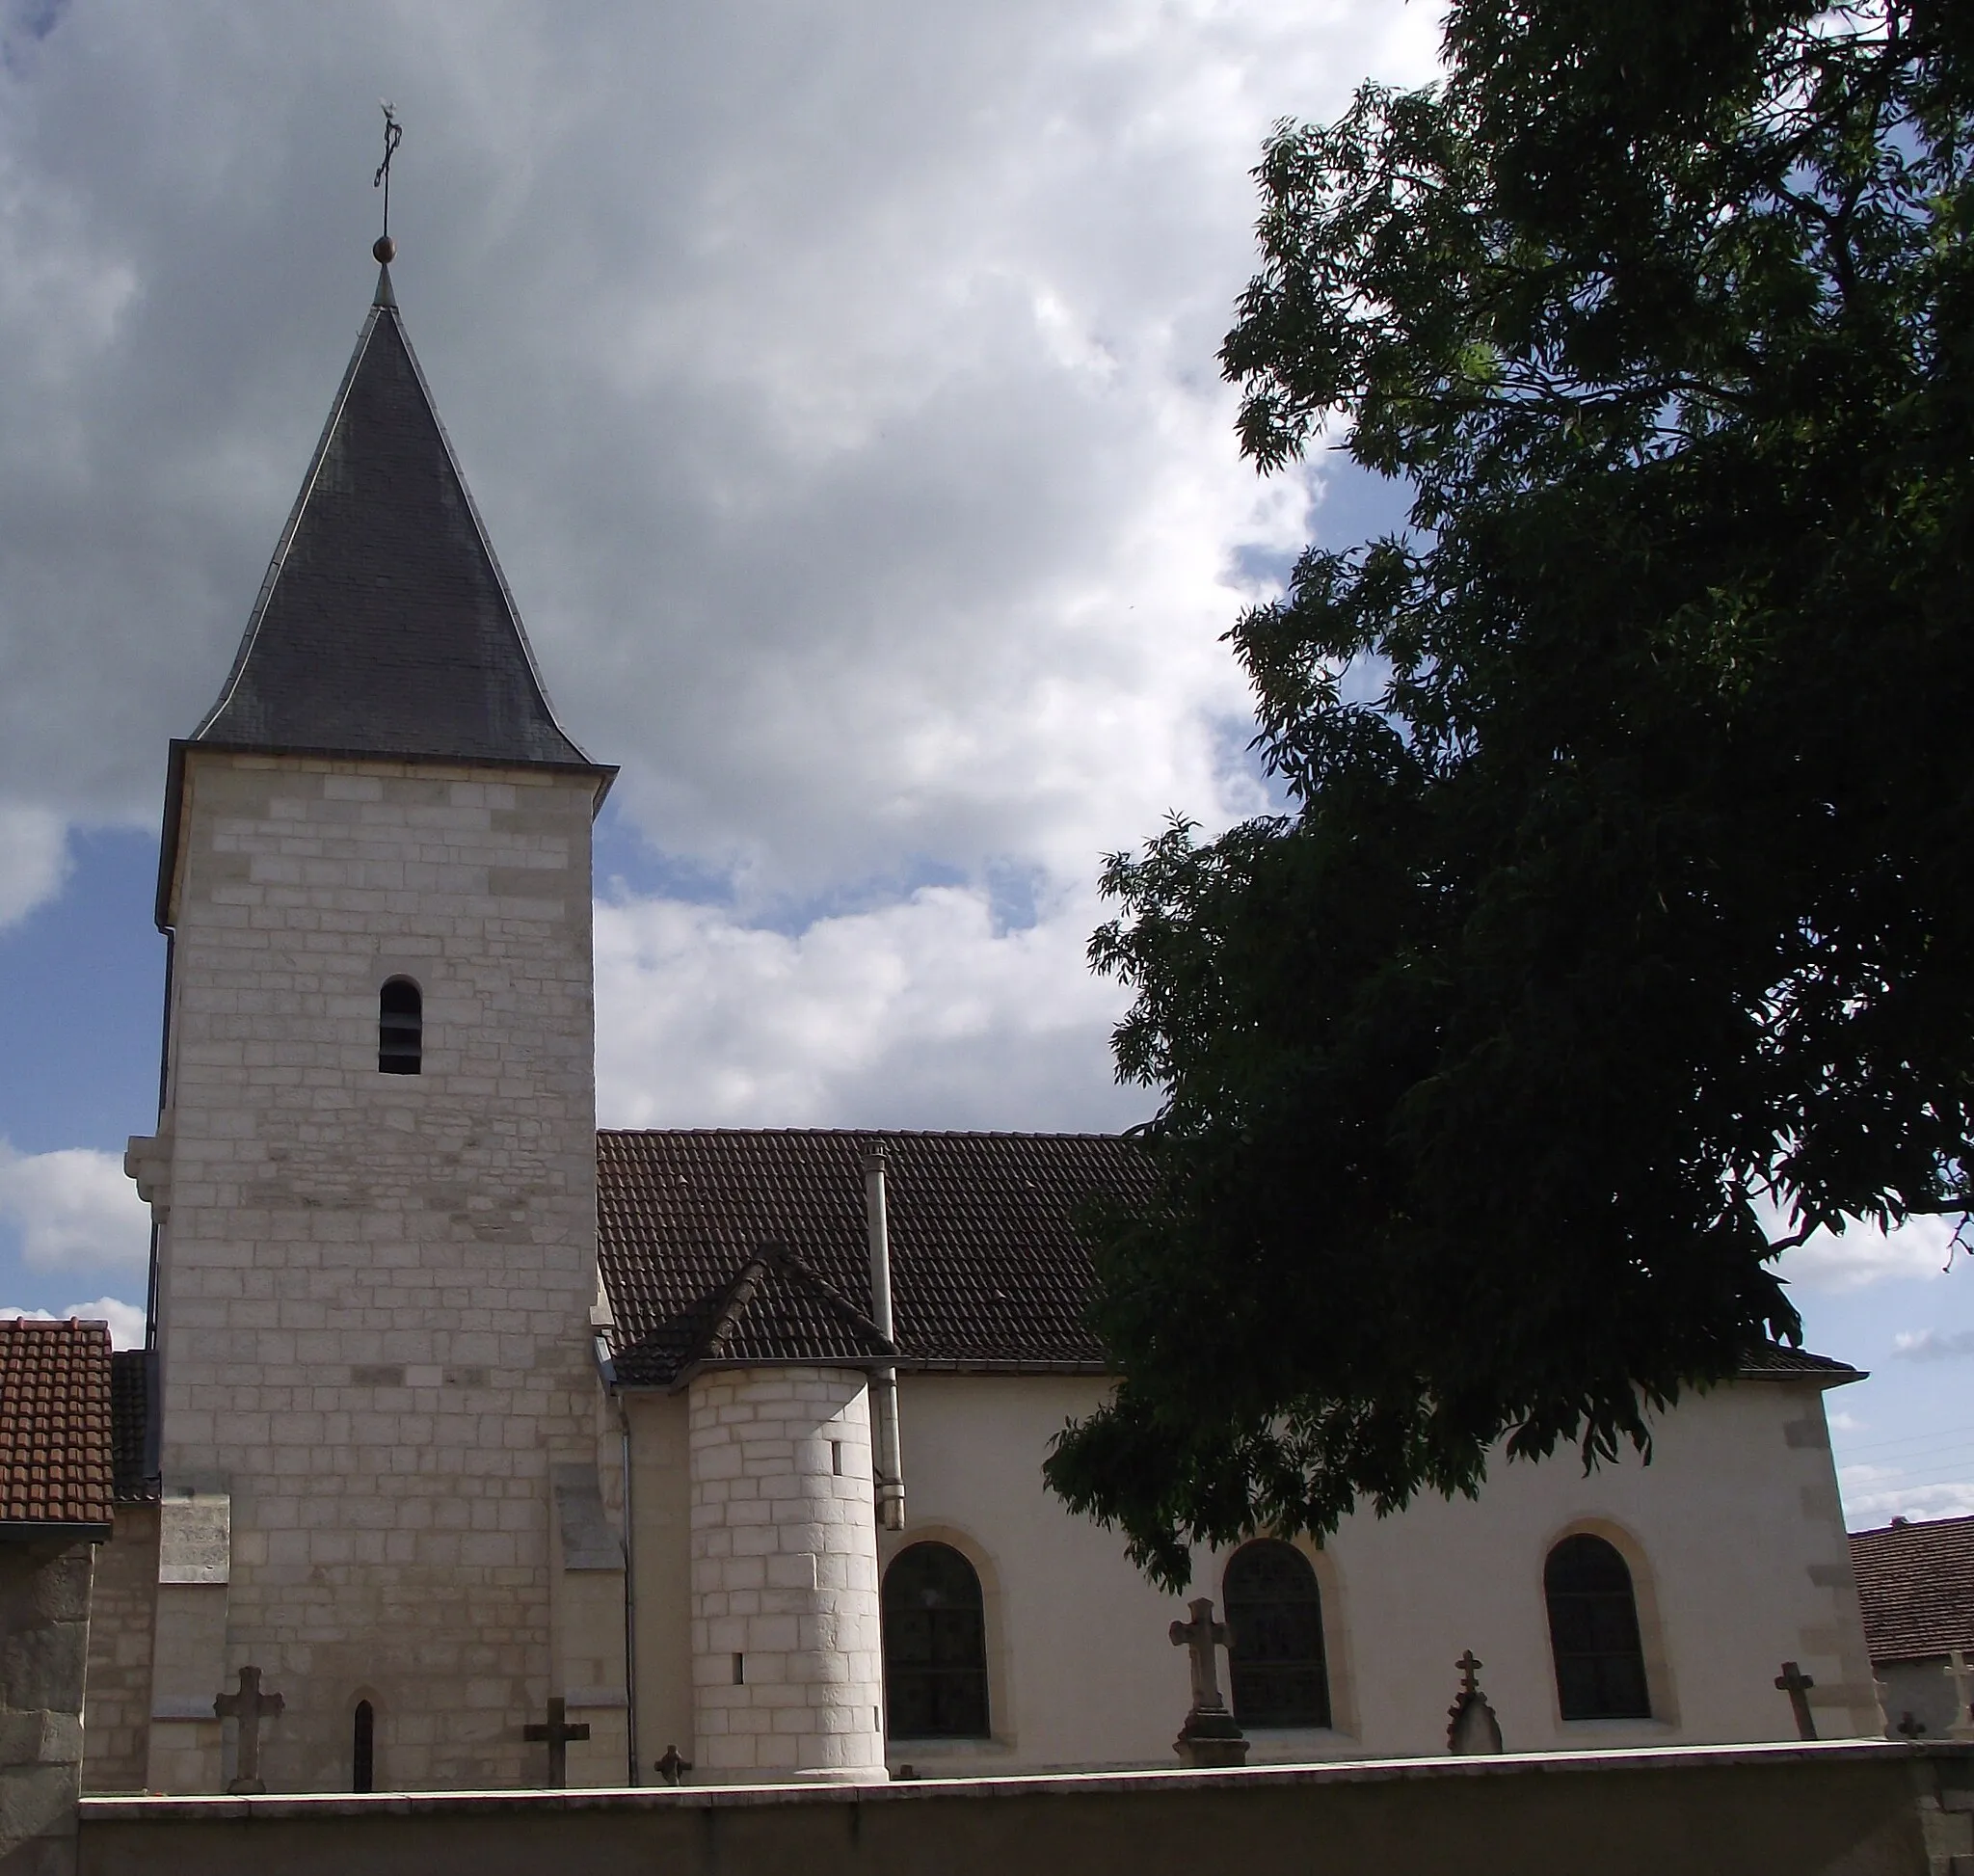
point(384, 627)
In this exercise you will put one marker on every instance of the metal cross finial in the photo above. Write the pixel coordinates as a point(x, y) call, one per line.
point(1470, 1673)
point(393, 135)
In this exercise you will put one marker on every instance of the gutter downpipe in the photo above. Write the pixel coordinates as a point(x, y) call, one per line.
point(887, 1461)
point(607, 1372)
point(629, 1594)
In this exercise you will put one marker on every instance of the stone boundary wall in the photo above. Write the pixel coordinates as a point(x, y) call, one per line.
point(1841, 1809)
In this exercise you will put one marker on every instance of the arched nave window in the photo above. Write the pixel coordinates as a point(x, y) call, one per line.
point(935, 1645)
point(1274, 1613)
point(400, 1028)
point(1593, 1632)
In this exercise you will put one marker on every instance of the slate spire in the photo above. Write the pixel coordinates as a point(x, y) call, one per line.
point(384, 627)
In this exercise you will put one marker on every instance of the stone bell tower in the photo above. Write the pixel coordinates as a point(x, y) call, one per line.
point(374, 1174)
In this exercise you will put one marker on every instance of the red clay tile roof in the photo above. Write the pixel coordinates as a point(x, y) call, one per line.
point(1917, 1584)
point(986, 1267)
point(55, 1463)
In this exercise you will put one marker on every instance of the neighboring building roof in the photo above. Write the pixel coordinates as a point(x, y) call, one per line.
point(1915, 1583)
point(987, 1270)
point(135, 1480)
point(55, 1459)
point(384, 627)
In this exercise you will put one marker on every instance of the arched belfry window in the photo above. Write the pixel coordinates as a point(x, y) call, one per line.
point(1593, 1632)
point(364, 1749)
point(935, 1645)
point(400, 1028)
point(1276, 1659)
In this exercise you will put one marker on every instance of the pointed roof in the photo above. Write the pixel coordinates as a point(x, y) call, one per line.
point(384, 627)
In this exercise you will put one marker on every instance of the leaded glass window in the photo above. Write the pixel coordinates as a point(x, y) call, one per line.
point(1274, 1613)
point(1593, 1632)
point(935, 1645)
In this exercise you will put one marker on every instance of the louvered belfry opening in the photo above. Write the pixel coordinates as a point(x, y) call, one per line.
point(400, 1028)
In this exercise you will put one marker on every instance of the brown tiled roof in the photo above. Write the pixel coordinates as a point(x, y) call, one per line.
point(1770, 1361)
point(1917, 1584)
point(986, 1267)
point(55, 1464)
point(133, 1483)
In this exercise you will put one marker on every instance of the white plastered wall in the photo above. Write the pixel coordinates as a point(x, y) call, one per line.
point(1734, 1533)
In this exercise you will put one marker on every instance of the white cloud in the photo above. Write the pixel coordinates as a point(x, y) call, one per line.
point(923, 1014)
point(1863, 1254)
point(1930, 1345)
point(33, 859)
point(74, 1209)
point(125, 1319)
point(864, 474)
point(1874, 1495)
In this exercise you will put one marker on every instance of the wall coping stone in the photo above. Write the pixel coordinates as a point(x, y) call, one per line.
point(305, 1805)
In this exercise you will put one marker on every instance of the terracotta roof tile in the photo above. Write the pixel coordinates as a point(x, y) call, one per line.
point(1917, 1584)
point(986, 1267)
point(55, 1459)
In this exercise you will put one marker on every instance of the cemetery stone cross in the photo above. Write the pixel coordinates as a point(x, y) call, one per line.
point(557, 1734)
point(1794, 1682)
point(1202, 1635)
point(248, 1706)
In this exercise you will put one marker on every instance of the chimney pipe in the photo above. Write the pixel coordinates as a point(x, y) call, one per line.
point(886, 1460)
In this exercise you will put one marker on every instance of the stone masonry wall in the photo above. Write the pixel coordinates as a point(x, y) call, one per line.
point(123, 1622)
point(374, 1288)
point(43, 1655)
point(787, 1655)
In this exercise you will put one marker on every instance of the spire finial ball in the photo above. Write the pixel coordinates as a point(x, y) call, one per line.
point(385, 249)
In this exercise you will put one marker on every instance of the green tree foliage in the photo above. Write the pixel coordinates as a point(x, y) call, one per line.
point(1628, 935)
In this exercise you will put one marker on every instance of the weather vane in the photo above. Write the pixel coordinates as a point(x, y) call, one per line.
point(385, 248)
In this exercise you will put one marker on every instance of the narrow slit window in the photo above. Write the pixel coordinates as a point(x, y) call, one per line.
point(400, 1028)
point(365, 1748)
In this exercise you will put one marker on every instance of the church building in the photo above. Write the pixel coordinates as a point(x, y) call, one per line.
point(486, 1450)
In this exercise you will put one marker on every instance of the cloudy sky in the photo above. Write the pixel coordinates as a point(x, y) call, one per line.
point(838, 386)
